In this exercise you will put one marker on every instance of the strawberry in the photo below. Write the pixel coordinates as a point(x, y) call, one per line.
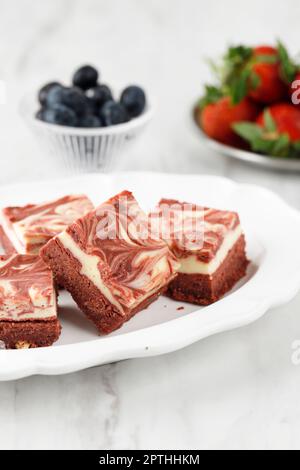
point(263, 73)
point(218, 114)
point(265, 50)
point(271, 87)
point(276, 131)
point(286, 118)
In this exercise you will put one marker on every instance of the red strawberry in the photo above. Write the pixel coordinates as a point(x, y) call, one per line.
point(265, 50)
point(271, 87)
point(276, 132)
point(286, 118)
point(217, 118)
point(263, 73)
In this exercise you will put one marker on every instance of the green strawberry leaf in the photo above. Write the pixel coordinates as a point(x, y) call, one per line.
point(234, 59)
point(235, 73)
point(238, 88)
point(248, 131)
point(262, 146)
point(237, 55)
point(288, 67)
point(278, 147)
point(269, 122)
point(281, 146)
point(212, 95)
point(297, 146)
point(254, 80)
point(262, 141)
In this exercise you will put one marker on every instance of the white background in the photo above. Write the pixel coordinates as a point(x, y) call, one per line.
point(235, 390)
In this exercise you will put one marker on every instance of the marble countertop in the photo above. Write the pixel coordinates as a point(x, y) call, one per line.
point(237, 390)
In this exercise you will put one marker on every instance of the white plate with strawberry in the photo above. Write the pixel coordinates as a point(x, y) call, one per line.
point(252, 113)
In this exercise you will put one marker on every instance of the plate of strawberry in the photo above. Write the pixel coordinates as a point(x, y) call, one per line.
point(252, 111)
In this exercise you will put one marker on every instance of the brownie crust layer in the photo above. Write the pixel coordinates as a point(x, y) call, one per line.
point(29, 334)
point(90, 300)
point(204, 290)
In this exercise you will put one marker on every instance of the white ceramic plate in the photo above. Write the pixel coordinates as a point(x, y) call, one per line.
point(273, 163)
point(272, 229)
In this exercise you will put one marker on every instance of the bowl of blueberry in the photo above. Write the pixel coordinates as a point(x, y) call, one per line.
point(86, 125)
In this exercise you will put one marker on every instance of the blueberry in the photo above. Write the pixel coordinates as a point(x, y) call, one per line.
point(113, 113)
point(99, 95)
point(43, 93)
point(59, 114)
point(90, 121)
point(134, 100)
point(92, 108)
point(53, 95)
point(86, 77)
point(72, 97)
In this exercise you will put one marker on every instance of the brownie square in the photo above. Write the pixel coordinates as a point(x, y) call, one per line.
point(211, 250)
point(110, 264)
point(30, 227)
point(28, 306)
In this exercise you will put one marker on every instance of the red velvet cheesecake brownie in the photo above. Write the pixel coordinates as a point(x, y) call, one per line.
point(32, 226)
point(28, 307)
point(213, 261)
point(110, 264)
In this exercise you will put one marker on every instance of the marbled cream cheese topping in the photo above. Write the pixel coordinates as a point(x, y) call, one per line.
point(219, 232)
point(117, 254)
point(31, 226)
point(26, 289)
point(192, 264)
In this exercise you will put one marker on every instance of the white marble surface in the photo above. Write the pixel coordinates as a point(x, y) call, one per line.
point(236, 390)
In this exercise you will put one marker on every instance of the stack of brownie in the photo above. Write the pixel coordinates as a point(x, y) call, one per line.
point(28, 295)
point(112, 259)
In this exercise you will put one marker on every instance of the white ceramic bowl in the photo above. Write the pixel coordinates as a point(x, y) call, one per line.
point(81, 149)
